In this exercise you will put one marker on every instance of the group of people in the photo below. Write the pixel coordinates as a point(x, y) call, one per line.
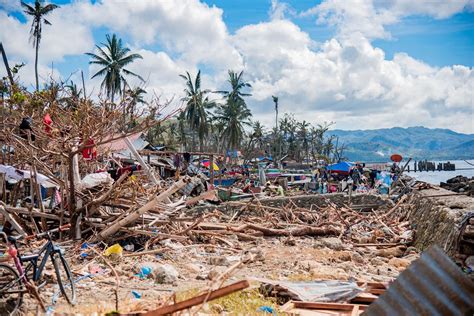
point(358, 179)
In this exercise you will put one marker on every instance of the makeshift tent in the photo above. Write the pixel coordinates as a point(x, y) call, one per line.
point(340, 167)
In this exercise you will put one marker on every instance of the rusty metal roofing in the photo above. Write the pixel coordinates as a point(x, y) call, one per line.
point(432, 285)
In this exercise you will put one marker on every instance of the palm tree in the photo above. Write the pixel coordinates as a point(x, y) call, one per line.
point(237, 84)
point(113, 57)
point(256, 140)
point(38, 12)
point(197, 106)
point(303, 135)
point(234, 114)
point(136, 97)
point(75, 92)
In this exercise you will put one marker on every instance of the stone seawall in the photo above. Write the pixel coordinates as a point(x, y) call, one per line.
point(443, 221)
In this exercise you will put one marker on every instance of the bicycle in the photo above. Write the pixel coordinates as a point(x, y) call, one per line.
point(13, 284)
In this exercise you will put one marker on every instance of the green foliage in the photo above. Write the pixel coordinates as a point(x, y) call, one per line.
point(197, 107)
point(234, 115)
point(245, 302)
point(113, 58)
point(18, 98)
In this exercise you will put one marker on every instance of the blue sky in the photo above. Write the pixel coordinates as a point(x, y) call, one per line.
point(439, 42)
point(359, 63)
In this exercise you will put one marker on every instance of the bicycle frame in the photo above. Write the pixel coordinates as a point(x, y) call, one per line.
point(46, 250)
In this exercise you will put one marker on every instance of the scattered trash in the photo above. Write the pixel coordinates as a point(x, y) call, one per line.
point(165, 274)
point(136, 294)
point(314, 291)
point(145, 271)
point(115, 249)
point(266, 309)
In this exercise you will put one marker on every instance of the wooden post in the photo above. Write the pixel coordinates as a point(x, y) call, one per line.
point(211, 169)
point(141, 161)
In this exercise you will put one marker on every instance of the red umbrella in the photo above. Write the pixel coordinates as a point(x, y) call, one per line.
point(396, 158)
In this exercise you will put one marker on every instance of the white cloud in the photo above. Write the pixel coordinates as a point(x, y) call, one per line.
point(9, 5)
point(367, 18)
point(349, 82)
point(345, 79)
point(279, 10)
point(188, 28)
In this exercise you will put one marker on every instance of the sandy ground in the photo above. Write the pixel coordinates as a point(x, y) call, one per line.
point(275, 258)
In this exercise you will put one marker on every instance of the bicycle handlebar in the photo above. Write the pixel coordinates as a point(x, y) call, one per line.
point(59, 229)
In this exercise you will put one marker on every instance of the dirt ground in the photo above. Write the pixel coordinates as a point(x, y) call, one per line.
point(274, 258)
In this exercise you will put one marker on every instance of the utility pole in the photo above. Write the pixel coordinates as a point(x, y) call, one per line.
point(277, 134)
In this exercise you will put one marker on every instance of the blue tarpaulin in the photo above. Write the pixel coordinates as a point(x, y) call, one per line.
point(340, 167)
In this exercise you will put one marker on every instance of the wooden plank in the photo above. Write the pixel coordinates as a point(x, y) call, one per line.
point(226, 290)
point(329, 306)
point(15, 224)
point(34, 212)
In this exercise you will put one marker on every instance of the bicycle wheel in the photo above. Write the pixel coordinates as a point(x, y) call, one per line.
point(11, 291)
point(64, 278)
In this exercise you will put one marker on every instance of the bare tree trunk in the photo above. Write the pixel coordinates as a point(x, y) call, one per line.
point(36, 64)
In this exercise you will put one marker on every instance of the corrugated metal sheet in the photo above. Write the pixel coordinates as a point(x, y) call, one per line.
point(432, 285)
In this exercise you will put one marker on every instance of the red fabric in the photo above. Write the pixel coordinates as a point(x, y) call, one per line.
point(47, 121)
point(90, 152)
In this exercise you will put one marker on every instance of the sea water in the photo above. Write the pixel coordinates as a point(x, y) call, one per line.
point(435, 177)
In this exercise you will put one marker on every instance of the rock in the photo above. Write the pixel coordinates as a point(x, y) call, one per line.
point(344, 256)
point(219, 261)
point(399, 263)
point(329, 273)
point(308, 265)
point(193, 267)
point(330, 242)
point(289, 241)
point(376, 261)
point(357, 258)
point(392, 252)
point(256, 253)
point(165, 274)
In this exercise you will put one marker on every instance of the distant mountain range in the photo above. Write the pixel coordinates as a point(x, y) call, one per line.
point(416, 142)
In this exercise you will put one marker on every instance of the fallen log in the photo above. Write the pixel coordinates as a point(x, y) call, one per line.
point(301, 231)
point(226, 290)
point(134, 215)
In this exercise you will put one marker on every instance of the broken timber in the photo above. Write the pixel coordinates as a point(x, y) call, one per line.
point(226, 290)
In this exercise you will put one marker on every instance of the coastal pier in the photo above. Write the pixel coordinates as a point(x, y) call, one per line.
point(425, 165)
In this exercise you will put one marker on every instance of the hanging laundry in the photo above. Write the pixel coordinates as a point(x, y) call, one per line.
point(89, 152)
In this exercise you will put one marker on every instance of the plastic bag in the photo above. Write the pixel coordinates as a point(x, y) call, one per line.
point(113, 250)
